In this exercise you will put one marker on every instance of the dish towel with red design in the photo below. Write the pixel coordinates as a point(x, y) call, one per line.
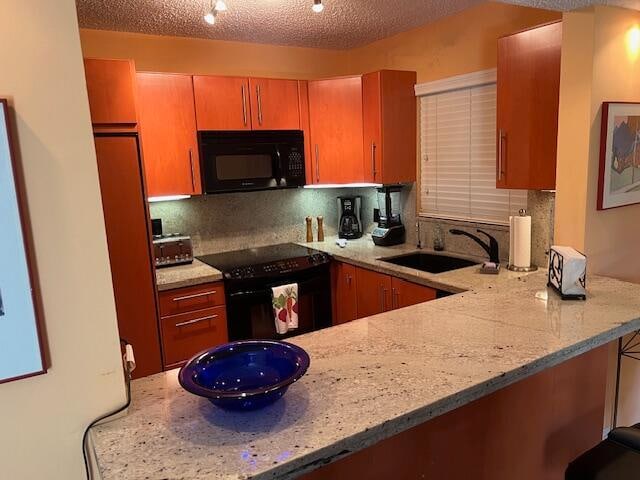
point(285, 307)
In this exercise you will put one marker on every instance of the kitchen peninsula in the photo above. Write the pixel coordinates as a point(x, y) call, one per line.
point(379, 377)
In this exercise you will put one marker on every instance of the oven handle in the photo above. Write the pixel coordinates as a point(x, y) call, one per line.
point(267, 291)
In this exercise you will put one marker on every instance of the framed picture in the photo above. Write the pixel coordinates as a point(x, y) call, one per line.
point(619, 178)
point(21, 352)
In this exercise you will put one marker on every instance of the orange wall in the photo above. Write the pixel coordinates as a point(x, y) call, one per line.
point(454, 45)
point(597, 67)
point(199, 56)
point(450, 46)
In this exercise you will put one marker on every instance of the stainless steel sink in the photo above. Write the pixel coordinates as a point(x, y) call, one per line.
point(429, 262)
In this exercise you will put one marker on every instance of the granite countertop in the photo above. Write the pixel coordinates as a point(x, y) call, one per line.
point(196, 273)
point(361, 252)
point(369, 379)
point(364, 253)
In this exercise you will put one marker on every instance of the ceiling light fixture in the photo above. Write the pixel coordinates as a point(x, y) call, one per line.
point(317, 6)
point(221, 6)
point(210, 16)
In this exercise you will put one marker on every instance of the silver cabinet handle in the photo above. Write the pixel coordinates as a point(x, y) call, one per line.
point(373, 159)
point(196, 320)
point(193, 174)
point(244, 106)
point(501, 137)
point(195, 295)
point(317, 164)
point(349, 280)
point(259, 95)
point(395, 298)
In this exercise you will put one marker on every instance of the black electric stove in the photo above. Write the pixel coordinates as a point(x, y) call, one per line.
point(265, 262)
point(249, 276)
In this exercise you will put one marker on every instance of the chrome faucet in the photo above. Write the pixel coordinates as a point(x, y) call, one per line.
point(419, 245)
point(492, 248)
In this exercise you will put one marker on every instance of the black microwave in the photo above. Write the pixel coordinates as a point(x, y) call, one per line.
point(251, 160)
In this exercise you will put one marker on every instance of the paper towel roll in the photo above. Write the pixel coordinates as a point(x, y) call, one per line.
point(521, 241)
point(512, 241)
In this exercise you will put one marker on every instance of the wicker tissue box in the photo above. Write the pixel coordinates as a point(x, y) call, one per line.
point(568, 273)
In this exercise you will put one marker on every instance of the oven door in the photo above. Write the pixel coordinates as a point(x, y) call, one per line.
point(250, 312)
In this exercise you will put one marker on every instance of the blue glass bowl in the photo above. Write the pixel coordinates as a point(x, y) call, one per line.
point(244, 375)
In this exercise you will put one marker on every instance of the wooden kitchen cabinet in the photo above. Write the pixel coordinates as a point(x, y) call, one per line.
point(336, 130)
point(373, 292)
point(274, 104)
point(111, 91)
point(127, 227)
point(389, 106)
point(528, 87)
point(359, 292)
point(192, 319)
point(168, 129)
point(222, 103)
point(239, 103)
point(343, 278)
point(406, 293)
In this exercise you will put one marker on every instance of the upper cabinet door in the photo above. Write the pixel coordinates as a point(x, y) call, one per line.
point(168, 128)
point(335, 118)
point(389, 104)
point(111, 90)
point(527, 116)
point(274, 104)
point(222, 103)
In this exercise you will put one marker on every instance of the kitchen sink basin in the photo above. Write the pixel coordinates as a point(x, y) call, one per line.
point(429, 262)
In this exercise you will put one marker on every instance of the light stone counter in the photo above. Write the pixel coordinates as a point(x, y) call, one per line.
point(364, 253)
point(180, 276)
point(368, 380)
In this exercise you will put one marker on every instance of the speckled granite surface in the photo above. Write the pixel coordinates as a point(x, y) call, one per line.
point(196, 273)
point(364, 253)
point(368, 380)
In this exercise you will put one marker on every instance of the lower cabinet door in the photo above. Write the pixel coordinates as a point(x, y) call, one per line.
point(373, 292)
point(186, 334)
point(406, 293)
point(343, 278)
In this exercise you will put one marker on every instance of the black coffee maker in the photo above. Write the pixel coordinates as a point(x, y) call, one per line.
point(390, 230)
point(349, 223)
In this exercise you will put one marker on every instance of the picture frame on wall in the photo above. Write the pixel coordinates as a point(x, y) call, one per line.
point(21, 343)
point(619, 176)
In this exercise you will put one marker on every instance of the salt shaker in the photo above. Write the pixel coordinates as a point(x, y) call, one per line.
point(320, 229)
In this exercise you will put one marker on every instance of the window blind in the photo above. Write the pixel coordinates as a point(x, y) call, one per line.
point(457, 175)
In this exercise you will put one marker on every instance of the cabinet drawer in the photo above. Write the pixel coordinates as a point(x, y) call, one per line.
point(183, 300)
point(186, 334)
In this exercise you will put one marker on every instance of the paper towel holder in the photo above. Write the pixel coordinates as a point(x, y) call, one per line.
point(530, 268)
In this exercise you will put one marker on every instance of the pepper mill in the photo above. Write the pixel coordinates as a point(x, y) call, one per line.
point(320, 229)
point(309, 230)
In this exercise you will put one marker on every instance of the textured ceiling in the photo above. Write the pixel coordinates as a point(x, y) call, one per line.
point(342, 24)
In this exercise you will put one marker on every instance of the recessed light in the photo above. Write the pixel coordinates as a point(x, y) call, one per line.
point(317, 6)
point(210, 16)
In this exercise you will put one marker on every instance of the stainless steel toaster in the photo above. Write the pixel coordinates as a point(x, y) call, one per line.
point(170, 250)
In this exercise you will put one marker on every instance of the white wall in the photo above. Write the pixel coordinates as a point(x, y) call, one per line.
point(42, 418)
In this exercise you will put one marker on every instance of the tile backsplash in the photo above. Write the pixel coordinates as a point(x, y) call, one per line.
point(540, 206)
point(235, 221)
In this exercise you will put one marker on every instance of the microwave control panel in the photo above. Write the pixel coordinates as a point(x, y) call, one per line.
point(296, 163)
